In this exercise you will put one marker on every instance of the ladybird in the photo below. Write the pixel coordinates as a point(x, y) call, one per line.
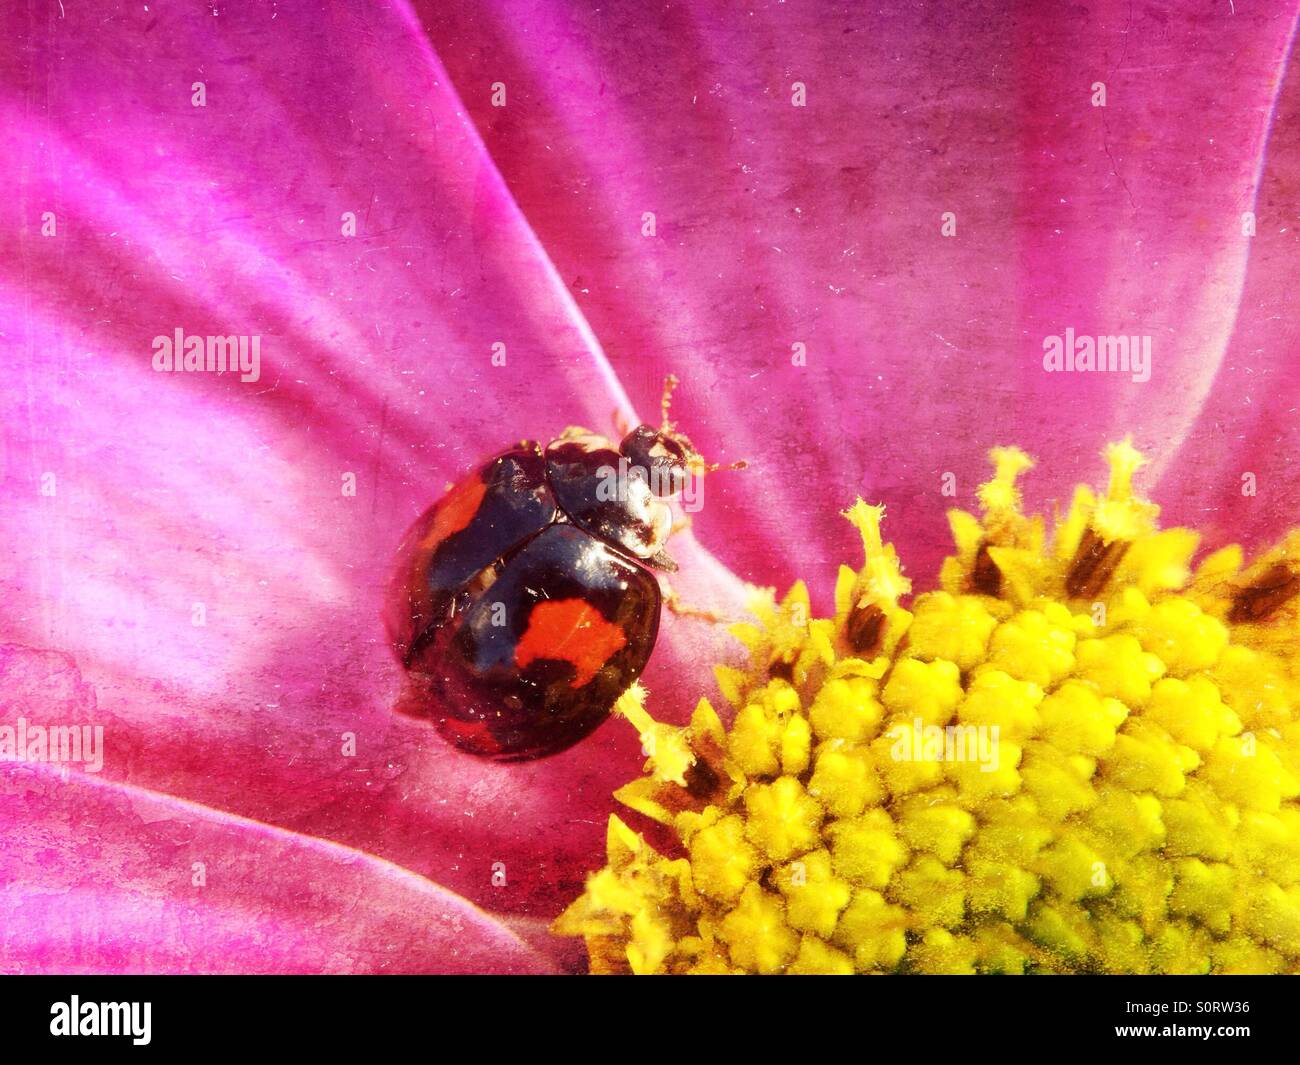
point(525, 602)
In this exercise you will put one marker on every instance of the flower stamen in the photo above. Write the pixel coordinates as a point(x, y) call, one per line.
point(1075, 755)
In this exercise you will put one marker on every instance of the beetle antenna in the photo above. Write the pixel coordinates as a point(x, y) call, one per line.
point(670, 383)
point(696, 463)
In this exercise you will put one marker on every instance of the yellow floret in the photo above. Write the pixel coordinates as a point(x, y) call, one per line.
point(992, 777)
point(1272, 914)
point(1074, 869)
point(940, 827)
point(900, 756)
point(1118, 667)
point(995, 699)
point(782, 818)
point(1061, 783)
point(1192, 712)
point(1032, 647)
point(756, 934)
point(796, 746)
point(866, 850)
point(847, 710)
point(722, 861)
point(1271, 843)
point(1204, 892)
point(816, 958)
point(999, 889)
point(754, 742)
point(1129, 822)
point(845, 780)
point(873, 932)
point(1076, 718)
point(1245, 770)
point(929, 691)
point(942, 952)
point(1182, 637)
point(954, 628)
point(1146, 758)
point(1077, 756)
point(931, 891)
point(814, 896)
point(1196, 827)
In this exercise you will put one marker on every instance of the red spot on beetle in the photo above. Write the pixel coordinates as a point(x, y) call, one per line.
point(570, 630)
point(455, 512)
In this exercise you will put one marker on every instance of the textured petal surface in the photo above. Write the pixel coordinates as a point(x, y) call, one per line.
point(181, 498)
point(96, 875)
point(136, 504)
point(777, 224)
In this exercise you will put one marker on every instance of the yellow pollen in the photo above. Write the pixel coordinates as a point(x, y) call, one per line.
point(1079, 753)
point(1001, 492)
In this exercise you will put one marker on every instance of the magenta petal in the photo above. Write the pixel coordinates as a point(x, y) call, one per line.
point(186, 498)
point(104, 877)
point(176, 499)
point(1248, 424)
point(820, 225)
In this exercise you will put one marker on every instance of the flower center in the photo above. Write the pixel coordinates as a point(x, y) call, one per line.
point(1078, 754)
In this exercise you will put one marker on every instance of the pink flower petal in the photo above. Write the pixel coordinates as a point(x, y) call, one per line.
point(1248, 423)
point(98, 876)
point(775, 225)
point(821, 225)
point(172, 490)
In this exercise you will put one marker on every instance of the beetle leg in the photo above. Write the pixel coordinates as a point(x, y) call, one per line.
point(684, 610)
point(574, 432)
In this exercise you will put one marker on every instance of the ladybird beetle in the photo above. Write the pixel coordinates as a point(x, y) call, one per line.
point(524, 602)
